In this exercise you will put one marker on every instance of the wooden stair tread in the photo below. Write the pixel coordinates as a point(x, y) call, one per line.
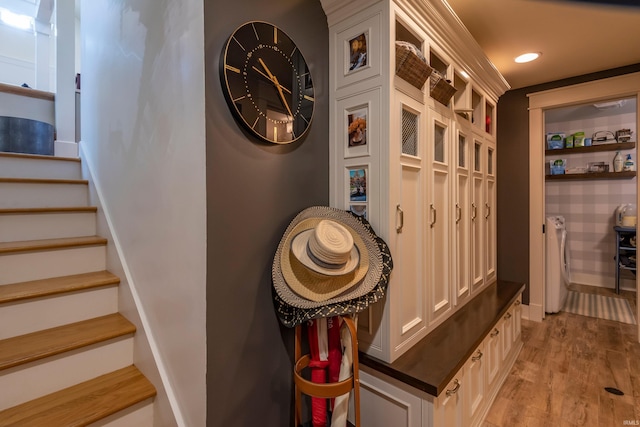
point(44, 244)
point(56, 285)
point(38, 345)
point(38, 156)
point(62, 209)
point(43, 181)
point(83, 403)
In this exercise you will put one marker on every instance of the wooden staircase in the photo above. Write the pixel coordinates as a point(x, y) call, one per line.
point(66, 354)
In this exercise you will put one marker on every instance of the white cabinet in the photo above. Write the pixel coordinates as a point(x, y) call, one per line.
point(493, 349)
point(462, 212)
point(449, 407)
point(439, 210)
point(477, 223)
point(490, 208)
point(507, 333)
point(418, 181)
point(475, 386)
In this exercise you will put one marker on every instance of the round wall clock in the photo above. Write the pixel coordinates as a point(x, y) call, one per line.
point(267, 83)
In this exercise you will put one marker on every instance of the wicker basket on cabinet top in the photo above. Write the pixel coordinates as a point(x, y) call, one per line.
point(411, 65)
point(440, 88)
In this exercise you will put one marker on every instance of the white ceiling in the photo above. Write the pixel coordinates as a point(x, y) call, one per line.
point(574, 37)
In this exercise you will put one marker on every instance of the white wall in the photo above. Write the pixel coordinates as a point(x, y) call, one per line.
point(143, 135)
point(17, 56)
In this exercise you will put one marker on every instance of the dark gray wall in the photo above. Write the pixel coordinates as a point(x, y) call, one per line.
point(513, 175)
point(253, 191)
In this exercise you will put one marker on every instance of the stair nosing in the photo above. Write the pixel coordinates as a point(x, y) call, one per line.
point(88, 401)
point(50, 244)
point(11, 180)
point(23, 291)
point(22, 349)
point(38, 156)
point(45, 210)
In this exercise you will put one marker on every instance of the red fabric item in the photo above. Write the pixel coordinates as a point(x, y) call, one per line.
point(318, 375)
point(335, 350)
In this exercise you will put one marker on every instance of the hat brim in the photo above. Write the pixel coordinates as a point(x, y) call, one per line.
point(300, 249)
point(301, 288)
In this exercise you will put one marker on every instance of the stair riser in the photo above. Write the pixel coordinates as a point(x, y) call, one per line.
point(39, 378)
point(25, 266)
point(17, 227)
point(140, 415)
point(58, 310)
point(39, 168)
point(40, 195)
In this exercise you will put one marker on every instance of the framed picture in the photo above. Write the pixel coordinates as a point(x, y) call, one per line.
point(358, 52)
point(360, 210)
point(358, 185)
point(357, 119)
point(357, 127)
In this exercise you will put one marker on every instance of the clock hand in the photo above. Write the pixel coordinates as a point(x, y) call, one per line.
point(274, 80)
point(264, 75)
point(284, 100)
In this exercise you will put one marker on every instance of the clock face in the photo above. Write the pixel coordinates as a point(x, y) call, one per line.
point(267, 83)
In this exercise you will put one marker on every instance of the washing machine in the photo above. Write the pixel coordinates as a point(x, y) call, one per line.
point(558, 271)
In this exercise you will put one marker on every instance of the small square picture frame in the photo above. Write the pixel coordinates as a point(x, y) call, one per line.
point(358, 51)
point(359, 209)
point(358, 123)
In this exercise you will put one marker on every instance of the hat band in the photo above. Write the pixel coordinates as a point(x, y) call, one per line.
point(321, 263)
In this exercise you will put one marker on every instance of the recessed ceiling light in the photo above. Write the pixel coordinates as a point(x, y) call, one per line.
point(527, 57)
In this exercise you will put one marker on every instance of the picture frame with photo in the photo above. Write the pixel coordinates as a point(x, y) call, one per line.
point(359, 210)
point(358, 52)
point(358, 184)
point(357, 126)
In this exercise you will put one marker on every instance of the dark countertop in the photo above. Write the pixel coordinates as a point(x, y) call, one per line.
point(431, 363)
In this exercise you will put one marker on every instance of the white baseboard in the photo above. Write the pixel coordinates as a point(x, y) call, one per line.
point(65, 148)
point(602, 281)
point(533, 312)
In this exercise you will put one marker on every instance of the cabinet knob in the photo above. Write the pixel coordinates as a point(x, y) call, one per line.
point(488, 210)
point(495, 333)
point(518, 302)
point(458, 213)
point(455, 389)
point(474, 211)
point(477, 356)
point(507, 316)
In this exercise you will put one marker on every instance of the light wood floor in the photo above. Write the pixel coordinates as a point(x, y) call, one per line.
point(566, 362)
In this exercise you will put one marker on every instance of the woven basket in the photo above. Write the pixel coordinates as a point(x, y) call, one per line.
point(410, 67)
point(441, 90)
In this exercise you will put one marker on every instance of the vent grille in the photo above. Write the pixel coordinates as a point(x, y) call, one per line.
point(409, 133)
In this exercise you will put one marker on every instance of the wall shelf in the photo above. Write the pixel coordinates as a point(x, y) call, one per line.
point(593, 148)
point(592, 175)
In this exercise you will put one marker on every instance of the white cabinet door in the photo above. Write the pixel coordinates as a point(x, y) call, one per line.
point(490, 234)
point(409, 258)
point(493, 354)
point(507, 335)
point(462, 212)
point(448, 407)
point(475, 386)
point(477, 219)
point(517, 319)
point(382, 404)
point(439, 217)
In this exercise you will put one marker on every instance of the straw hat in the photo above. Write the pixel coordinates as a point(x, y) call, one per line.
point(328, 261)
